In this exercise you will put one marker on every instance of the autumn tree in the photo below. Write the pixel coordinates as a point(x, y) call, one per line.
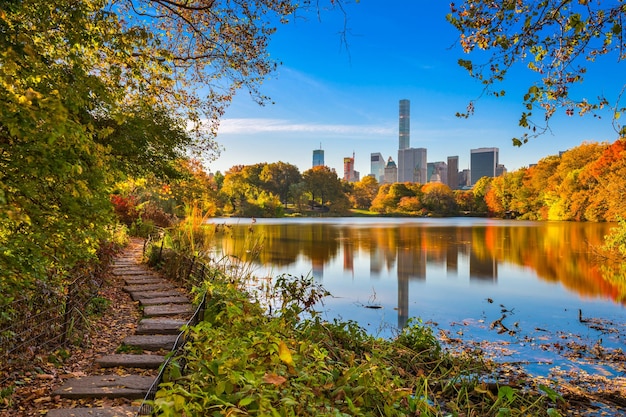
point(438, 198)
point(402, 197)
point(606, 179)
point(364, 192)
point(564, 184)
point(465, 201)
point(555, 39)
point(536, 182)
point(325, 188)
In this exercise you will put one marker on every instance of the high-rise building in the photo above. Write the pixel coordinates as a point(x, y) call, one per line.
point(412, 165)
point(405, 125)
point(464, 178)
point(391, 172)
point(349, 174)
point(437, 172)
point(453, 172)
point(378, 167)
point(483, 163)
point(318, 157)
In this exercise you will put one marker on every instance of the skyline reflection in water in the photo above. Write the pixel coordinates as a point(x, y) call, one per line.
point(443, 270)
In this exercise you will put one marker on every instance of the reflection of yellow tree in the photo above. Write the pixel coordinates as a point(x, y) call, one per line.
point(563, 253)
point(556, 251)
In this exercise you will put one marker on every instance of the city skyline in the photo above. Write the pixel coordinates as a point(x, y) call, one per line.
point(345, 96)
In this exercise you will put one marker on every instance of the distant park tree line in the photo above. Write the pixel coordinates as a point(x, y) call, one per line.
point(583, 184)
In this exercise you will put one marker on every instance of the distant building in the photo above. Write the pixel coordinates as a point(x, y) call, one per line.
point(318, 157)
point(349, 174)
point(483, 163)
point(500, 170)
point(437, 172)
point(404, 128)
point(412, 165)
point(464, 179)
point(378, 167)
point(391, 172)
point(453, 172)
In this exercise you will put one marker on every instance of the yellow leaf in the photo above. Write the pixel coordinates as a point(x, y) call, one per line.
point(284, 353)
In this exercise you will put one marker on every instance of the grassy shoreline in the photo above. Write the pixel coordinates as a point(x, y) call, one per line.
point(242, 360)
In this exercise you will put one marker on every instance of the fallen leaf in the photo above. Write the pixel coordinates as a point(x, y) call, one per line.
point(274, 379)
point(42, 399)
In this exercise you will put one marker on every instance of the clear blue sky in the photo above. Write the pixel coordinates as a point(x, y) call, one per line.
point(347, 100)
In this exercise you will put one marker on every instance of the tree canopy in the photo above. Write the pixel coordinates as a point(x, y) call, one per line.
point(556, 39)
point(92, 90)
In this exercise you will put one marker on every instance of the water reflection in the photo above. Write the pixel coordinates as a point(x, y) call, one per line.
point(408, 251)
point(555, 251)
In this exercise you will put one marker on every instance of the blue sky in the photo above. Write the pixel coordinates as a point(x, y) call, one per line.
point(347, 99)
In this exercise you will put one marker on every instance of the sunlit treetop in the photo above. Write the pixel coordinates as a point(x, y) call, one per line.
point(194, 55)
point(556, 39)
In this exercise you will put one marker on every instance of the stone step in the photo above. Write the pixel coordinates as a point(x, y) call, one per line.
point(129, 271)
point(94, 412)
point(152, 343)
point(126, 360)
point(148, 279)
point(139, 295)
point(149, 287)
point(159, 326)
point(164, 300)
point(167, 310)
point(132, 387)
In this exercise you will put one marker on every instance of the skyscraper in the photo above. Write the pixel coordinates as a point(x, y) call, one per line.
point(391, 172)
point(412, 165)
point(453, 172)
point(378, 167)
point(349, 174)
point(483, 163)
point(405, 125)
point(318, 157)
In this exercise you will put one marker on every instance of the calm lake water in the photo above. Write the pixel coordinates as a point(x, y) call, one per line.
point(521, 285)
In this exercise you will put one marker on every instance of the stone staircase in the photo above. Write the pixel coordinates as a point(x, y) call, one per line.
point(166, 309)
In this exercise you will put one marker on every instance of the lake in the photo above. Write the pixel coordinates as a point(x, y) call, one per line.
point(533, 293)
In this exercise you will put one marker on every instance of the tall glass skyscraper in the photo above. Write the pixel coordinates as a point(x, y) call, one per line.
point(405, 125)
point(378, 166)
point(483, 163)
point(318, 157)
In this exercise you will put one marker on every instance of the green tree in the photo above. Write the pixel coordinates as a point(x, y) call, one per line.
point(237, 190)
point(556, 39)
point(144, 140)
point(325, 187)
point(85, 90)
point(480, 190)
point(278, 178)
